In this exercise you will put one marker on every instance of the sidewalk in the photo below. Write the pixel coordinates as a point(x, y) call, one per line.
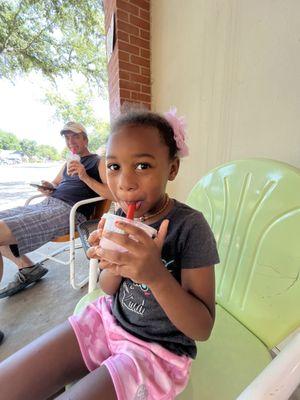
point(37, 309)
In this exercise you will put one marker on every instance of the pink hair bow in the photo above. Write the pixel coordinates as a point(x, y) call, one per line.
point(179, 127)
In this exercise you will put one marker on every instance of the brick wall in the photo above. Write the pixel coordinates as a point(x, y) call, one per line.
point(129, 64)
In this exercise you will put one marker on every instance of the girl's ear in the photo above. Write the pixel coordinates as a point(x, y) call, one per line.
point(174, 167)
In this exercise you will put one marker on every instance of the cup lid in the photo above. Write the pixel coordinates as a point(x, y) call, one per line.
point(149, 229)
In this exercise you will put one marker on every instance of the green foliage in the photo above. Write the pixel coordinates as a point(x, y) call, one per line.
point(97, 139)
point(43, 151)
point(80, 109)
point(48, 152)
point(64, 153)
point(9, 141)
point(29, 147)
point(56, 37)
point(60, 39)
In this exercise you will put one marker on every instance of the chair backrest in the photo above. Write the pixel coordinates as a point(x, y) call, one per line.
point(100, 208)
point(253, 208)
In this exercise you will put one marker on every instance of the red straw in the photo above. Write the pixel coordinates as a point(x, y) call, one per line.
point(130, 212)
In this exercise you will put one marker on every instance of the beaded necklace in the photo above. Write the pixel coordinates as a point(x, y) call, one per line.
point(161, 210)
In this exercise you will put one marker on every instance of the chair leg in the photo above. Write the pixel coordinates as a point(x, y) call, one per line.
point(74, 284)
point(93, 274)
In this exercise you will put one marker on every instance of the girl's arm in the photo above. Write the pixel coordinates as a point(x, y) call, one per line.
point(109, 282)
point(190, 307)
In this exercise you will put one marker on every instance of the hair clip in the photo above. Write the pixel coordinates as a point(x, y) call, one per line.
point(179, 127)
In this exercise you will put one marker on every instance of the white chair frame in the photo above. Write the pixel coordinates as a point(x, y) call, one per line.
point(93, 269)
point(280, 378)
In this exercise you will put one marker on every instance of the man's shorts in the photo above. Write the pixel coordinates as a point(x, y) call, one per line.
point(37, 224)
point(139, 370)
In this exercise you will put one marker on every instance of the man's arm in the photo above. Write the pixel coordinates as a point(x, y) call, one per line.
point(55, 182)
point(98, 187)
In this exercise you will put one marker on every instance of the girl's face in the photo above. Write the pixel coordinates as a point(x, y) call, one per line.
point(138, 168)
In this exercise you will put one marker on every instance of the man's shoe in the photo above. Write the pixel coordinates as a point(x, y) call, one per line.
point(23, 278)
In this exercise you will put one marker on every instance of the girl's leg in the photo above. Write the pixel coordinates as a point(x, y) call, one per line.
point(94, 386)
point(43, 367)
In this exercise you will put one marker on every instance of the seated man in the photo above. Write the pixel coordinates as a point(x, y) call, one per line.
point(24, 229)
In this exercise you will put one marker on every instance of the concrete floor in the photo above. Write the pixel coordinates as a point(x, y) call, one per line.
point(37, 309)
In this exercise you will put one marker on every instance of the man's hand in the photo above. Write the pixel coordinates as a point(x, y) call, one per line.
point(76, 168)
point(49, 185)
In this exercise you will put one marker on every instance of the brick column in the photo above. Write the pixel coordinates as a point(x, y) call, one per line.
point(129, 64)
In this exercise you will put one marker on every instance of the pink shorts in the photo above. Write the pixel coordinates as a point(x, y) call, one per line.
point(140, 370)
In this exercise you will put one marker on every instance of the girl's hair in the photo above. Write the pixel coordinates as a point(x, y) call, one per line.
point(145, 118)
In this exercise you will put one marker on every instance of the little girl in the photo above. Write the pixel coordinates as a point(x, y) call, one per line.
point(138, 342)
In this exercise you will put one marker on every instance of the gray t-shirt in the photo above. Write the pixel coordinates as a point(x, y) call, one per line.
point(189, 244)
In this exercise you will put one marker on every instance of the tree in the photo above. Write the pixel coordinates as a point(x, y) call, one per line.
point(56, 37)
point(9, 141)
point(61, 39)
point(29, 147)
point(49, 152)
point(80, 109)
point(97, 140)
point(64, 154)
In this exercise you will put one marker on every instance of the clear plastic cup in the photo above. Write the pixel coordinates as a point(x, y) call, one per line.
point(110, 226)
point(72, 157)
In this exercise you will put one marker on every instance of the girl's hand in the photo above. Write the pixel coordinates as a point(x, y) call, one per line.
point(92, 252)
point(142, 261)
point(114, 269)
point(94, 239)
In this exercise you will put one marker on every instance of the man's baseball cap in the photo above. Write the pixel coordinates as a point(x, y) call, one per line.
point(73, 127)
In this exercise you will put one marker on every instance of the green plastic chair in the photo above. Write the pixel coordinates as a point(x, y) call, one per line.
point(253, 208)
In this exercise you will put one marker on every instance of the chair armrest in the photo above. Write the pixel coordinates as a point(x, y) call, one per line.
point(74, 209)
point(72, 239)
point(33, 197)
point(280, 378)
